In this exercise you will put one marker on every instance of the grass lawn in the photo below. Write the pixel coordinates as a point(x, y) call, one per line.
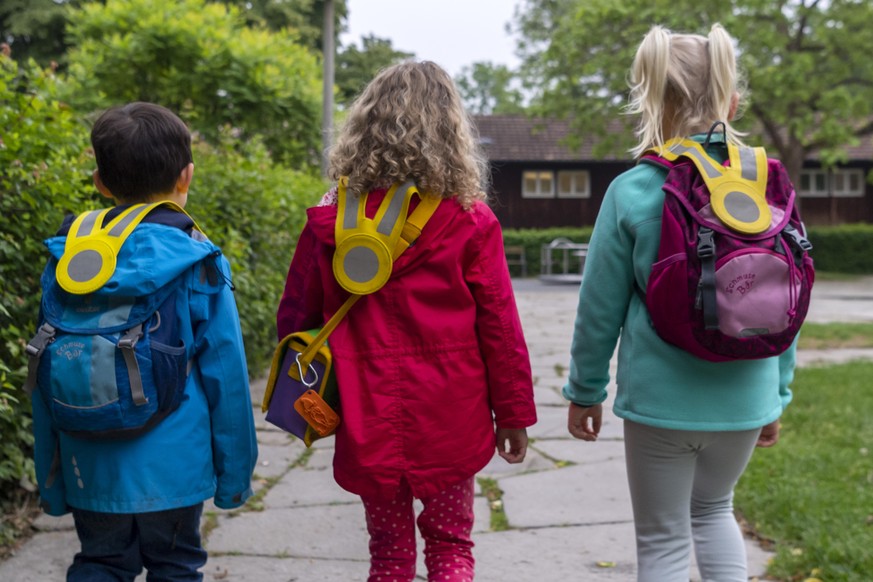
point(812, 494)
point(817, 336)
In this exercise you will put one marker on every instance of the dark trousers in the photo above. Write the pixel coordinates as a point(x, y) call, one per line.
point(116, 546)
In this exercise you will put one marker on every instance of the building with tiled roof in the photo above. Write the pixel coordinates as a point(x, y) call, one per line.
point(538, 181)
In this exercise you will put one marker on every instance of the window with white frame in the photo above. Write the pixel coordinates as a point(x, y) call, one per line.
point(848, 182)
point(537, 184)
point(841, 182)
point(574, 184)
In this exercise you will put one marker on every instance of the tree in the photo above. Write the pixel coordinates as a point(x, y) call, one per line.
point(807, 64)
point(35, 28)
point(356, 67)
point(202, 61)
point(304, 16)
point(487, 89)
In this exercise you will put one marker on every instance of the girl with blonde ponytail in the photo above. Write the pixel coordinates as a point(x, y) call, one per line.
point(690, 425)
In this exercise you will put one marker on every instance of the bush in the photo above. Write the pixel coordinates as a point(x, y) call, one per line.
point(843, 249)
point(45, 172)
point(254, 210)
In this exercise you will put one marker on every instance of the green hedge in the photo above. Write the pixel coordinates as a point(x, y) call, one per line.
point(45, 171)
point(533, 240)
point(254, 209)
point(836, 249)
point(843, 249)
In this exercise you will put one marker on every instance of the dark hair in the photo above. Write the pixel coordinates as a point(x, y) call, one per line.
point(141, 148)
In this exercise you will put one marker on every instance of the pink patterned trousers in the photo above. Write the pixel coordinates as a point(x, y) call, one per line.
point(445, 524)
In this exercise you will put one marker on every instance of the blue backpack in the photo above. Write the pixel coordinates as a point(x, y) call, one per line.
point(107, 367)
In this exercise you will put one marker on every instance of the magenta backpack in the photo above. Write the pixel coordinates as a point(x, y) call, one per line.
point(733, 275)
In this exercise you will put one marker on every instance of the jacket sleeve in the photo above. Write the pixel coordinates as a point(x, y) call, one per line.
point(604, 297)
point(49, 476)
point(301, 307)
point(220, 359)
point(499, 331)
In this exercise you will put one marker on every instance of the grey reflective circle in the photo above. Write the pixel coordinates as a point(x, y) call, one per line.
point(361, 264)
point(742, 207)
point(84, 266)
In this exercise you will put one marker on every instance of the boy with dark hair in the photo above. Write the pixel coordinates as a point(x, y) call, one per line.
point(137, 500)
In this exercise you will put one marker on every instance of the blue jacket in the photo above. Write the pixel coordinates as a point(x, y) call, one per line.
point(205, 448)
point(658, 384)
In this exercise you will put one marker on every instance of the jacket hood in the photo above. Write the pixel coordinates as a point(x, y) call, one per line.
point(322, 222)
point(152, 256)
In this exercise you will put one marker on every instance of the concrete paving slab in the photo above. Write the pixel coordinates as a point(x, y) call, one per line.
point(51, 523)
point(548, 395)
point(560, 554)
point(45, 557)
point(849, 301)
point(594, 493)
point(286, 569)
point(303, 487)
point(326, 532)
point(275, 459)
point(570, 450)
point(533, 461)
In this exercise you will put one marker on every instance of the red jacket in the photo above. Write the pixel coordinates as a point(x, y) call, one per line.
point(425, 365)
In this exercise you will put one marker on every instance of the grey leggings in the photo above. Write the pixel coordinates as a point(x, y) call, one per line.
point(681, 486)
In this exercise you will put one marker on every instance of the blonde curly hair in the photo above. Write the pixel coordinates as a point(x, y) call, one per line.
point(410, 123)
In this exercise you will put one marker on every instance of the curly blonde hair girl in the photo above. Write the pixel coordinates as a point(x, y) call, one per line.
point(682, 84)
point(410, 123)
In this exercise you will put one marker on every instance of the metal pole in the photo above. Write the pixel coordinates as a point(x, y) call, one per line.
point(328, 50)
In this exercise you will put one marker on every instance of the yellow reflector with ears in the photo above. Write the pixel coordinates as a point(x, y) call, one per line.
point(738, 192)
point(365, 247)
point(91, 249)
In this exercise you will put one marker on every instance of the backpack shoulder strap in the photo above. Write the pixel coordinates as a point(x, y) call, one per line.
point(656, 160)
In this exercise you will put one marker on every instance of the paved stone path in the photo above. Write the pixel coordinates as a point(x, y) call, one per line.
point(567, 505)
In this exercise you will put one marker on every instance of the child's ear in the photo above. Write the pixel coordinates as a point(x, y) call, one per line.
point(101, 187)
point(184, 181)
point(735, 102)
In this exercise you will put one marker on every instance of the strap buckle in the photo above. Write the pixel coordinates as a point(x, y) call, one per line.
point(130, 338)
point(705, 243)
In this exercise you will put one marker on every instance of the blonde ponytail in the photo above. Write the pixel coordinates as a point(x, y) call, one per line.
point(685, 80)
point(648, 82)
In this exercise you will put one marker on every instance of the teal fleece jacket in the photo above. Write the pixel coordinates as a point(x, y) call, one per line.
point(657, 384)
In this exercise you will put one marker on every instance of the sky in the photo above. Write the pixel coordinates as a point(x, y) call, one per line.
point(452, 33)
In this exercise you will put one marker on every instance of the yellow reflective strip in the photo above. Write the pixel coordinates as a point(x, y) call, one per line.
point(392, 212)
point(126, 221)
point(695, 152)
point(348, 212)
point(83, 225)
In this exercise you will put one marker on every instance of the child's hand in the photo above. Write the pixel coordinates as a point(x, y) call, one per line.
point(512, 444)
point(769, 435)
point(578, 421)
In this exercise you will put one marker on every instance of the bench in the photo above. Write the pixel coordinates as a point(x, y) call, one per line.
point(515, 257)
